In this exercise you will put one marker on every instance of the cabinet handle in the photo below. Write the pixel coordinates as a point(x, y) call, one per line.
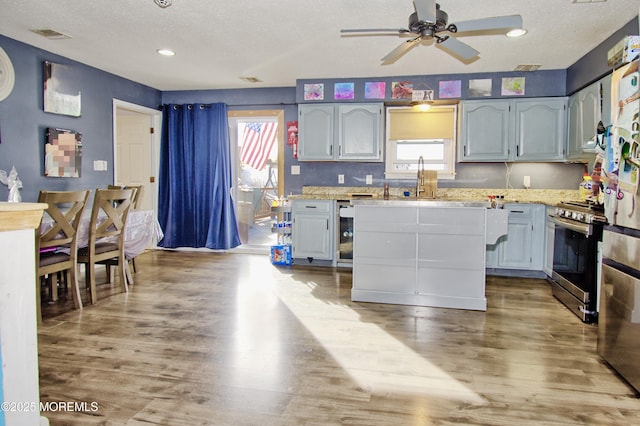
point(516, 211)
point(331, 150)
point(310, 207)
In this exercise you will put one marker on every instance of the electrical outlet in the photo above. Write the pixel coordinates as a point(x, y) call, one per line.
point(295, 169)
point(369, 179)
point(527, 182)
point(340, 178)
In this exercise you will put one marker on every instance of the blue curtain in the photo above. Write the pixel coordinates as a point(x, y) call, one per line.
point(195, 208)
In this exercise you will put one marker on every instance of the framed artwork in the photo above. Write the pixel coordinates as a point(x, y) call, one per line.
point(62, 153)
point(61, 92)
point(450, 89)
point(513, 86)
point(375, 89)
point(480, 87)
point(343, 91)
point(401, 90)
point(314, 92)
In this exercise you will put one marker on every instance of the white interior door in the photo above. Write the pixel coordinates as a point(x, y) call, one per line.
point(137, 142)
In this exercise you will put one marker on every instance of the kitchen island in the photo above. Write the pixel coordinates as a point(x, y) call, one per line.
point(423, 252)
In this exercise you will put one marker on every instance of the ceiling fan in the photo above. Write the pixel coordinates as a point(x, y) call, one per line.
point(429, 22)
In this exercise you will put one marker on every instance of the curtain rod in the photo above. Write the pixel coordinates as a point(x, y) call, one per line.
point(241, 105)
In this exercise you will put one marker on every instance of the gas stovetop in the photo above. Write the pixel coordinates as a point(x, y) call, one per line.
point(581, 211)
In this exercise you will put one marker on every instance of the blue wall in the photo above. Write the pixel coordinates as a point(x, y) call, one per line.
point(23, 121)
point(593, 65)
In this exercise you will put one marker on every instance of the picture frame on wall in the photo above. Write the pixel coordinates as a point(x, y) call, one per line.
point(62, 153)
point(61, 92)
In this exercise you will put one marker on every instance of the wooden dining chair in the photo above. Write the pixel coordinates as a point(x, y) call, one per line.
point(106, 235)
point(136, 202)
point(56, 239)
point(136, 198)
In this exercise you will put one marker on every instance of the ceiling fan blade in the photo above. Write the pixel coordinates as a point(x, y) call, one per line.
point(458, 48)
point(426, 10)
point(375, 30)
point(495, 23)
point(396, 53)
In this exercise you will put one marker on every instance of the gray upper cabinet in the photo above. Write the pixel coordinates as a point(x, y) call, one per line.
point(315, 132)
point(343, 132)
point(585, 111)
point(513, 130)
point(540, 129)
point(485, 131)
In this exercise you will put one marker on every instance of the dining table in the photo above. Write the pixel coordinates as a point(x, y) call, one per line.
point(141, 231)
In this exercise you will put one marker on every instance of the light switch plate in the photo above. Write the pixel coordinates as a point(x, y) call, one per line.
point(340, 178)
point(295, 169)
point(369, 179)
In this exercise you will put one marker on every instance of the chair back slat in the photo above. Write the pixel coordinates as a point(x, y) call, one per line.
point(109, 214)
point(64, 211)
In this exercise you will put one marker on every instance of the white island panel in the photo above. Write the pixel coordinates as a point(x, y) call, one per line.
point(420, 253)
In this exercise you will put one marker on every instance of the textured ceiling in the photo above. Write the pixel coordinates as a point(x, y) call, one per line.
point(219, 41)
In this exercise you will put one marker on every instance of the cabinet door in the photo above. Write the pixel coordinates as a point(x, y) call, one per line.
point(485, 131)
point(312, 229)
point(574, 130)
point(316, 132)
point(540, 129)
point(360, 132)
point(590, 112)
point(515, 250)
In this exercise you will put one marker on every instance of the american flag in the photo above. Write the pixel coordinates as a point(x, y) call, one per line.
point(257, 142)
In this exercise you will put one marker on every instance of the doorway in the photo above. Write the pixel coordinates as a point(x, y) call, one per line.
point(136, 139)
point(257, 156)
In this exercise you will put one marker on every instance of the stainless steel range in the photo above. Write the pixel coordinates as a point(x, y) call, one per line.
point(575, 276)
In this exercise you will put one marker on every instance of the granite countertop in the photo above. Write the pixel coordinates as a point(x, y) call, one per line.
point(549, 197)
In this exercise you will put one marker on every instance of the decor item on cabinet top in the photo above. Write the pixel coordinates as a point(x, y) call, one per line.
point(375, 89)
point(480, 87)
point(314, 92)
point(14, 184)
point(343, 91)
point(513, 86)
point(401, 90)
point(450, 89)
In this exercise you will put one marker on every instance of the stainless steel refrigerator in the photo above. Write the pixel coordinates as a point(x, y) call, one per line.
point(619, 316)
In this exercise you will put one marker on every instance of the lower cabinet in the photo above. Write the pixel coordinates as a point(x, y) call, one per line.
point(313, 229)
point(524, 245)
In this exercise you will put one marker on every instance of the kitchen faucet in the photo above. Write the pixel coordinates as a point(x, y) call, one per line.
point(420, 181)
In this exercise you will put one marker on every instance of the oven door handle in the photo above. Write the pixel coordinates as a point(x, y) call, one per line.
point(582, 228)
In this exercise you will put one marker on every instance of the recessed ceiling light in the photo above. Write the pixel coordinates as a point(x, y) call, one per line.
point(517, 32)
point(166, 52)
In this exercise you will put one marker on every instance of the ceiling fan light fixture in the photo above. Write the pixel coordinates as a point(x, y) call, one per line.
point(516, 32)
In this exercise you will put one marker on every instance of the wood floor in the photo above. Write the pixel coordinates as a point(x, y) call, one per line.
point(229, 339)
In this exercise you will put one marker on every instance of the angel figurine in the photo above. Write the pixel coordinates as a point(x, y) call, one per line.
point(14, 183)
